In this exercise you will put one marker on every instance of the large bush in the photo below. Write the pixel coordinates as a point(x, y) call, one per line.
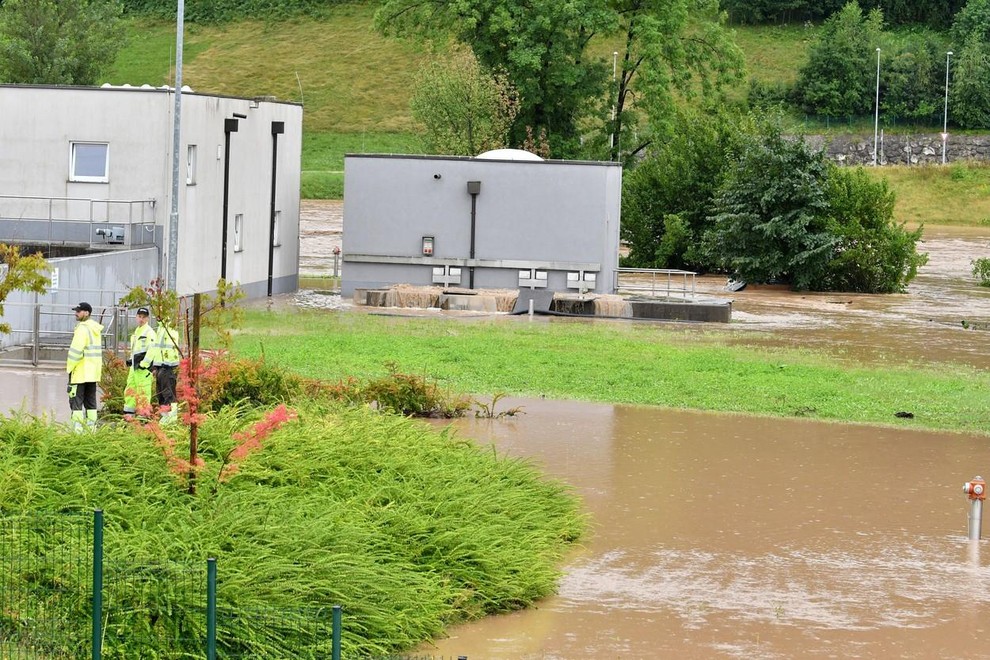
point(873, 254)
point(666, 199)
point(216, 11)
point(769, 217)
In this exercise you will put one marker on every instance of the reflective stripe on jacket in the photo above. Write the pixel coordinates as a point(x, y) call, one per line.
point(85, 361)
point(142, 339)
point(164, 352)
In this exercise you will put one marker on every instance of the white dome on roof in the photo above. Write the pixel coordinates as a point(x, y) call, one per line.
point(508, 154)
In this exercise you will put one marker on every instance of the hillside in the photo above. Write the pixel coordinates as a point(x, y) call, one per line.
point(355, 86)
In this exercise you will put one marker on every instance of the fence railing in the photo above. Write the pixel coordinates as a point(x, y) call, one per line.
point(62, 597)
point(37, 328)
point(667, 282)
point(125, 222)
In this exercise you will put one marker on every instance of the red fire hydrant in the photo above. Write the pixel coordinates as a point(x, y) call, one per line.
point(976, 489)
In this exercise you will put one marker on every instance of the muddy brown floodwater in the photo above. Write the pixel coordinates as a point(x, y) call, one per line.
point(740, 537)
point(728, 536)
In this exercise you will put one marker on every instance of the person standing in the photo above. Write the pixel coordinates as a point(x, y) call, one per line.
point(85, 367)
point(163, 359)
point(137, 393)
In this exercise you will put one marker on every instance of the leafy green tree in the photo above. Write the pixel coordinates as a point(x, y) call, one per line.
point(20, 273)
point(670, 50)
point(671, 190)
point(770, 215)
point(65, 42)
point(873, 254)
point(912, 85)
point(970, 89)
point(840, 75)
point(465, 109)
point(540, 45)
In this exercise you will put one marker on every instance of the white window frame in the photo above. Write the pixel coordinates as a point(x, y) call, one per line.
point(191, 163)
point(276, 234)
point(239, 232)
point(83, 178)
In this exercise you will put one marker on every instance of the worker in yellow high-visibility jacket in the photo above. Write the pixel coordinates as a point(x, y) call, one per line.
point(163, 357)
point(84, 365)
point(137, 393)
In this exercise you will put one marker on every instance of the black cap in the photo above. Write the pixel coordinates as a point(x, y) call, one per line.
point(143, 311)
point(83, 307)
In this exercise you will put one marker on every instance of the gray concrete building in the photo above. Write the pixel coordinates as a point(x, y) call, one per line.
point(86, 175)
point(92, 167)
point(495, 221)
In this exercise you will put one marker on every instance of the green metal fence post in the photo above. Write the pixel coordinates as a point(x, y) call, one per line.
point(335, 647)
point(97, 583)
point(211, 608)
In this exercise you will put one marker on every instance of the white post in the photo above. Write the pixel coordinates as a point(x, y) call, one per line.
point(876, 116)
point(173, 220)
point(945, 112)
point(530, 309)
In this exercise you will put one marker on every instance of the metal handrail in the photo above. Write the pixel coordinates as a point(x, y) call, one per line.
point(136, 212)
point(142, 204)
point(661, 280)
point(112, 336)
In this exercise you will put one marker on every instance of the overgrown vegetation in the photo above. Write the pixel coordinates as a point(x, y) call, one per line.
point(981, 270)
point(409, 529)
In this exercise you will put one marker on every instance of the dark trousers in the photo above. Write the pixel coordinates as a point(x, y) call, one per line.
point(82, 396)
point(165, 385)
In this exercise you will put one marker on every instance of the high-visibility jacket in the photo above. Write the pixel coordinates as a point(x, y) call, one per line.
point(142, 339)
point(165, 351)
point(85, 361)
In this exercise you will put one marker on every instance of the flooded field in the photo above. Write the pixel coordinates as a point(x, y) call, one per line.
point(727, 536)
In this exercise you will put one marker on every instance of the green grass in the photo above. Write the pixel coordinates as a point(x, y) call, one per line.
point(774, 53)
point(408, 529)
point(637, 363)
point(957, 194)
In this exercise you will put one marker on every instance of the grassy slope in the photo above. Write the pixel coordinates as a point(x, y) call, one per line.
point(645, 363)
point(355, 85)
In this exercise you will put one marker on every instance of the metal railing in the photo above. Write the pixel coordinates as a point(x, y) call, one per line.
point(666, 282)
point(82, 211)
point(37, 327)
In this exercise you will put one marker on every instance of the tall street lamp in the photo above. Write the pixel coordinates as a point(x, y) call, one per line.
point(945, 112)
point(876, 115)
point(611, 136)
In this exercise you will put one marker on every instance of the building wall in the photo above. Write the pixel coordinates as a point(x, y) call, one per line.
point(40, 123)
point(555, 216)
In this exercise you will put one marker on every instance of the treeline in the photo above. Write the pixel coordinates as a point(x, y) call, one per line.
point(219, 11)
point(840, 78)
point(935, 14)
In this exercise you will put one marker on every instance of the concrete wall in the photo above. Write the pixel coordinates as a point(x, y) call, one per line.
point(99, 279)
point(552, 215)
point(40, 123)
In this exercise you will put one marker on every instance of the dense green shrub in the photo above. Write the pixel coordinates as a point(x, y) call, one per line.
point(769, 217)
point(679, 178)
point(981, 270)
point(932, 13)
point(408, 529)
point(970, 90)
point(873, 254)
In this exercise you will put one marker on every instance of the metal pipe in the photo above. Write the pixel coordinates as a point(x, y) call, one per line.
point(335, 633)
point(36, 339)
point(473, 188)
point(278, 127)
point(976, 490)
point(945, 111)
point(876, 116)
point(229, 126)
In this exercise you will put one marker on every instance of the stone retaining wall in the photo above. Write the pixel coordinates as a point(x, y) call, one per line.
point(925, 149)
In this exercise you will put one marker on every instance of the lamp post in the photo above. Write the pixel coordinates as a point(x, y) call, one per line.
point(876, 115)
point(173, 220)
point(945, 112)
point(615, 103)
